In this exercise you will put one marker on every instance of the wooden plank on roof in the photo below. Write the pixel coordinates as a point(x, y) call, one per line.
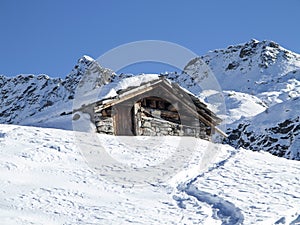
point(132, 93)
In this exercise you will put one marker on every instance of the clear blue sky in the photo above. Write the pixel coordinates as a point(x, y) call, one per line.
point(49, 36)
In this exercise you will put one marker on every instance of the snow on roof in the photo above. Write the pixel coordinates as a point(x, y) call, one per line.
point(111, 90)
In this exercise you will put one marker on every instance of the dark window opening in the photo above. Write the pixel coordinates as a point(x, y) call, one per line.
point(106, 112)
point(159, 108)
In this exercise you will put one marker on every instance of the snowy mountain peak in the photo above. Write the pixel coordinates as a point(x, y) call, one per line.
point(79, 69)
point(86, 58)
point(263, 53)
point(255, 67)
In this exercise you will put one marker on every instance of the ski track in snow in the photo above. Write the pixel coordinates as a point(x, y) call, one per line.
point(45, 180)
point(224, 210)
point(264, 188)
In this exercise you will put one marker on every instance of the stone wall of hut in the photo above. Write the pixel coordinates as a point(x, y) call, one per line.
point(104, 125)
point(149, 126)
point(158, 127)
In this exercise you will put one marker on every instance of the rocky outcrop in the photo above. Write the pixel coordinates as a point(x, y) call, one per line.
point(277, 132)
point(26, 96)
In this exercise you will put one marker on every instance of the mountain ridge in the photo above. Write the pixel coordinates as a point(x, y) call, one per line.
point(255, 77)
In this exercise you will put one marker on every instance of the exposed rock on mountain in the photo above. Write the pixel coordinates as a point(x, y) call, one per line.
point(34, 100)
point(277, 130)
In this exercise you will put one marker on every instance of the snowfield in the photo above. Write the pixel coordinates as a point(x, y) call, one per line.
point(46, 178)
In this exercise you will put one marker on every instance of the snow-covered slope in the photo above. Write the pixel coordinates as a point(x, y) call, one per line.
point(45, 179)
point(238, 105)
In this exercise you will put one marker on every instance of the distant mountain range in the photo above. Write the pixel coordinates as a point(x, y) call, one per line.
point(260, 82)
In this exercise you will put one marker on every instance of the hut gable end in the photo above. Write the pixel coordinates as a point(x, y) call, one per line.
point(155, 108)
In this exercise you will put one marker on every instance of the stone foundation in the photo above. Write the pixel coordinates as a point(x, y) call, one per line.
point(105, 125)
